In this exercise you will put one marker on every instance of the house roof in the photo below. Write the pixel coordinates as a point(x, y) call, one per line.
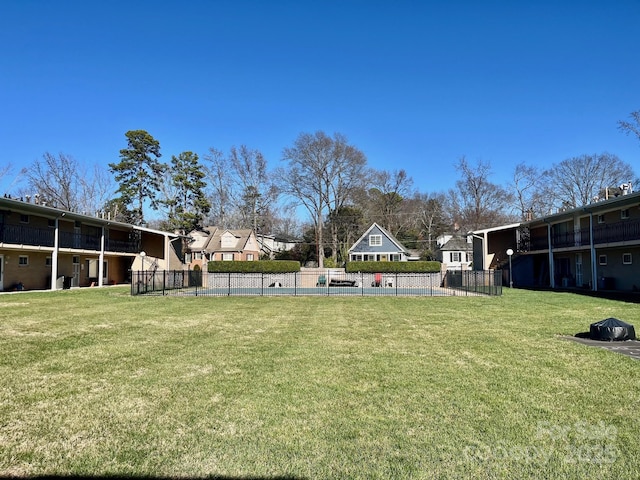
point(209, 239)
point(199, 240)
point(384, 232)
point(457, 244)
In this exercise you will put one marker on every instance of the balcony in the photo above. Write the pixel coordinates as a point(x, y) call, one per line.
point(127, 246)
point(627, 230)
point(578, 238)
point(79, 241)
point(624, 231)
point(26, 235)
point(44, 237)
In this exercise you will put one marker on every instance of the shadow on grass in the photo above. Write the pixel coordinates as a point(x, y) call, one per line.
point(147, 477)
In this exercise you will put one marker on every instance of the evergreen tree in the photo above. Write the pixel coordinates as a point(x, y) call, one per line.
point(139, 172)
point(190, 204)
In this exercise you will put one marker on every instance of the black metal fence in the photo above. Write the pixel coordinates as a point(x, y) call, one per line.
point(199, 283)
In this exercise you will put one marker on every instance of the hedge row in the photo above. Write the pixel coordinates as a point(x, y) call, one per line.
point(393, 267)
point(262, 266)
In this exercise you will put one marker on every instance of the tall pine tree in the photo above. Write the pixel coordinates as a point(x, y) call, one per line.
point(190, 204)
point(139, 173)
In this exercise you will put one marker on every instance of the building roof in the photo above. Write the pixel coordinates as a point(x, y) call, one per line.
point(209, 239)
point(15, 205)
point(495, 229)
point(629, 199)
point(457, 244)
point(399, 246)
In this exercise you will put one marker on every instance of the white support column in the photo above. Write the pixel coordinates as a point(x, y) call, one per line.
point(54, 256)
point(552, 274)
point(166, 252)
point(101, 259)
point(592, 248)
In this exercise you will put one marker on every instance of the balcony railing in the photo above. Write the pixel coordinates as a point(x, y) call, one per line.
point(78, 240)
point(579, 238)
point(617, 232)
point(624, 231)
point(127, 246)
point(26, 235)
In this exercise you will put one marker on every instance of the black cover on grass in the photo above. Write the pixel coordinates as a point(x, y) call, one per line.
point(612, 329)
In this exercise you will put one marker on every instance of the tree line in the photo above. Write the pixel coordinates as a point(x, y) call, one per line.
point(324, 175)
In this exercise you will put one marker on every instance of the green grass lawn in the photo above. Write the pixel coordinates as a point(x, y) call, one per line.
point(97, 382)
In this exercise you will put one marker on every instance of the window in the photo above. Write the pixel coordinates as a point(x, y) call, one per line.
point(602, 259)
point(375, 240)
point(249, 257)
point(456, 257)
point(624, 214)
point(24, 218)
point(395, 257)
point(627, 259)
point(23, 260)
point(227, 257)
point(600, 218)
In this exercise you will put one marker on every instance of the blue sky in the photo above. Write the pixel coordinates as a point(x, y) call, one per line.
point(415, 85)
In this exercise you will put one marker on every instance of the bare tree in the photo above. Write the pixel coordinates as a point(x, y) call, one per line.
point(63, 182)
point(348, 175)
point(8, 170)
point(530, 193)
point(388, 192)
point(632, 127)
point(168, 193)
point(96, 188)
point(481, 203)
point(55, 180)
point(255, 190)
point(580, 180)
point(320, 173)
point(220, 183)
point(286, 222)
point(429, 215)
point(5, 170)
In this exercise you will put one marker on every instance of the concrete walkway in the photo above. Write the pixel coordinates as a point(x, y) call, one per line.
point(631, 348)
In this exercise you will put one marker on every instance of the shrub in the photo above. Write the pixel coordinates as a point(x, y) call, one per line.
point(330, 263)
point(393, 267)
point(261, 266)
